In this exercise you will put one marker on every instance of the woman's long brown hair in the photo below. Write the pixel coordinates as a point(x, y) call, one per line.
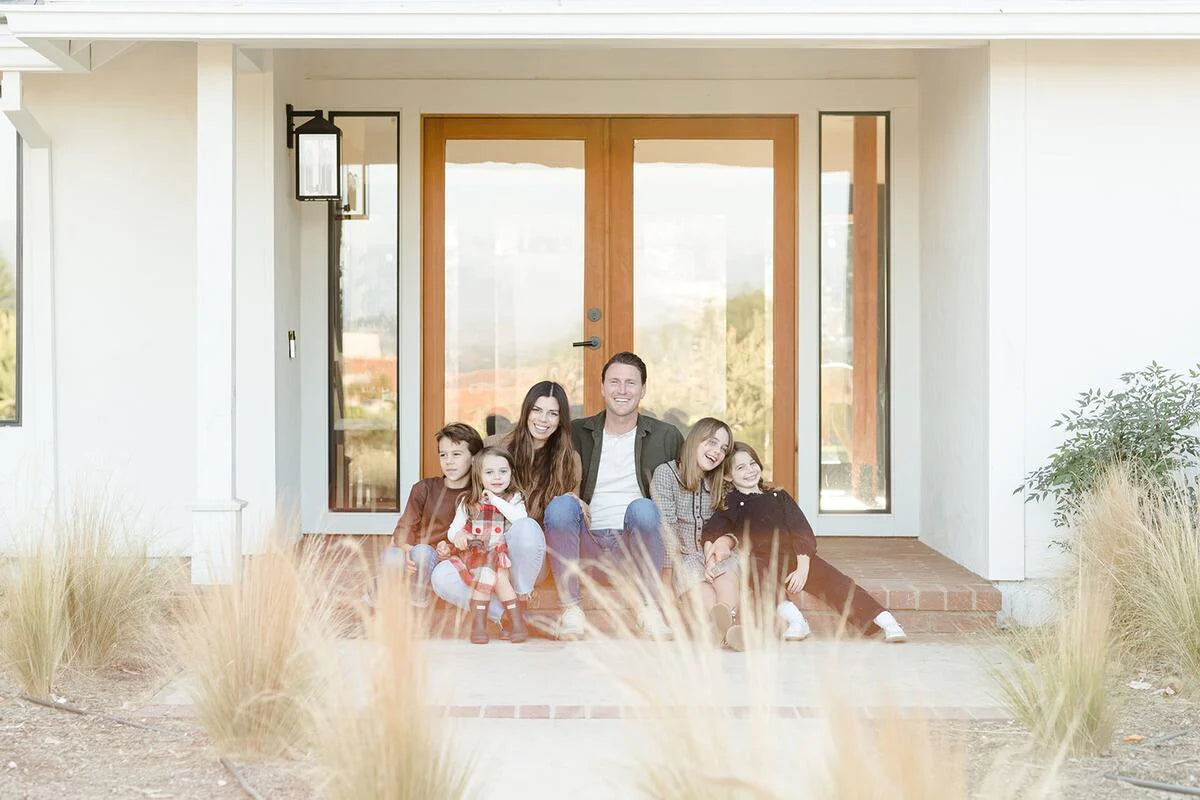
point(689, 471)
point(550, 470)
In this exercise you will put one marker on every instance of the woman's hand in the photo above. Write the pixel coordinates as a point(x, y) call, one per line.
point(412, 568)
point(459, 540)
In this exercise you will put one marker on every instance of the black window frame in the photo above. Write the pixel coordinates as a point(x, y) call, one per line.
point(333, 239)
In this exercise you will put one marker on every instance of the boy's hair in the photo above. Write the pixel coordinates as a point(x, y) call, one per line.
point(742, 447)
point(475, 491)
point(460, 433)
point(627, 358)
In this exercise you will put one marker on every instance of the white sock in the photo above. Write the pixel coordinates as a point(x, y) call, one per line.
point(790, 612)
point(884, 619)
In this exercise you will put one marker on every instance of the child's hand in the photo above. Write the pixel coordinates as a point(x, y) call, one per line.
point(443, 549)
point(460, 541)
point(488, 497)
point(795, 581)
point(721, 549)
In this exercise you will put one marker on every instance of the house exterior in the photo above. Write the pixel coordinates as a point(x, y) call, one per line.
point(889, 243)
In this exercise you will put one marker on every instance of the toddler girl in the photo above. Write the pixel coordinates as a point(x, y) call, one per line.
point(762, 516)
point(483, 516)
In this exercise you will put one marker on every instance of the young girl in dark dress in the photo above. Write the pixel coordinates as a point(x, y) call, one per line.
point(754, 515)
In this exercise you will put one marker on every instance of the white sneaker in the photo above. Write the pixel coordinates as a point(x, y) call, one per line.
point(797, 631)
point(571, 623)
point(653, 624)
point(892, 632)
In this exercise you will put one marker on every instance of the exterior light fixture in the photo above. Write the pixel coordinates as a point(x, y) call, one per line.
point(318, 146)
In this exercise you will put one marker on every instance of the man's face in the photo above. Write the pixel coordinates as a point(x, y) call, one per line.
point(623, 390)
point(455, 459)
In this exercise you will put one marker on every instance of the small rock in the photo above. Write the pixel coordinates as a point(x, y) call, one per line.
point(1133, 738)
point(50, 740)
point(12, 765)
point(1141, 685)
point(221, 782)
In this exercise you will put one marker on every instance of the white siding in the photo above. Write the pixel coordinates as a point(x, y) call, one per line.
point(954, 263)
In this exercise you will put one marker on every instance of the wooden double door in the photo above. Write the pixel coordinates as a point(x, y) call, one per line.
point(551, 243)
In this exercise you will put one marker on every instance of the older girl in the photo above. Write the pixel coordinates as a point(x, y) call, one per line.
point(685, 491)
point(484, 514)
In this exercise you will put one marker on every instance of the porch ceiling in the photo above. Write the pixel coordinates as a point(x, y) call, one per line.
point(441, 23)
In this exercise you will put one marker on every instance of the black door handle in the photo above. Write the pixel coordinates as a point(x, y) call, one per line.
point(592, 342)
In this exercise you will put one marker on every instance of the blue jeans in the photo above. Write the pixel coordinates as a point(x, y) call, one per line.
point(526, 549)
point(638, 545)
point(423, 557)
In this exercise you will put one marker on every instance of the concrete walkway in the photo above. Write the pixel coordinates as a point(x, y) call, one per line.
point(550, 719)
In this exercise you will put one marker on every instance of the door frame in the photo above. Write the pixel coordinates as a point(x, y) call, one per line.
point(608, 220)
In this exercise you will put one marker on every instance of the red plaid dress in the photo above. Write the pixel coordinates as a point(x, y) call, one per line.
point(477, 566)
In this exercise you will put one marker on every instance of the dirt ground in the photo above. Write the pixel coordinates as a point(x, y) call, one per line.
point(47, 753)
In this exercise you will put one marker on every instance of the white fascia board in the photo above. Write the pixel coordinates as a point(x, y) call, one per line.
point(316, 24)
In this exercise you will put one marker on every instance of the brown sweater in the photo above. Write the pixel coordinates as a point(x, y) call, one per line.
point(428, 512)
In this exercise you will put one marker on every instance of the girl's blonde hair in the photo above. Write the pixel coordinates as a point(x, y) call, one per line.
point(742, 447)
point(475, 493)
point(690, 474)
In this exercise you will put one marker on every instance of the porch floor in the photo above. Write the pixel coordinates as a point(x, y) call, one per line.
point(928, 592)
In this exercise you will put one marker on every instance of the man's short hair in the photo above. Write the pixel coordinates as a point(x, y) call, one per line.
point(625, 357)
point(460, 433)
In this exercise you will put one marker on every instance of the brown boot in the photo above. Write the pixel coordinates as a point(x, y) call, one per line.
point(516, 620)
point(479, 634)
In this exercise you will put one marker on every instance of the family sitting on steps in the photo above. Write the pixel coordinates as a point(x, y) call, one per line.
point(594, 492)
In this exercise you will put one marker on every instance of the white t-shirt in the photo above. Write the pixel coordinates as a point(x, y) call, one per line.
point(616, 481)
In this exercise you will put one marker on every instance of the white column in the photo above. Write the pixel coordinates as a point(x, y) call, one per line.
point(1006, 295)
point(217, 513)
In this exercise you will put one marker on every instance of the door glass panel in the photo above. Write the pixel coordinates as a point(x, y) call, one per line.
point(703, 254)
point(854, 329)
point(363, 325)
point(514, 268)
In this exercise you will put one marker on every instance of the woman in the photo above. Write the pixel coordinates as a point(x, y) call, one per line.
point(685, 491)
point(543, 453)
point(546, 464)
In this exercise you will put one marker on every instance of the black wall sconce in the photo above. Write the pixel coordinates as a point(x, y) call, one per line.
point(318, 146)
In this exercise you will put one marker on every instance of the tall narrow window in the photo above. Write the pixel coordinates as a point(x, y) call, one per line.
point(10, 273)
point(363, 343)
point(855, 474)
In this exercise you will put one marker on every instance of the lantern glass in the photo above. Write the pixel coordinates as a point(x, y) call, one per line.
point(317, 170)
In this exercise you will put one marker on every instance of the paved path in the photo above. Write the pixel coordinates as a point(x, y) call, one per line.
point(549, 719)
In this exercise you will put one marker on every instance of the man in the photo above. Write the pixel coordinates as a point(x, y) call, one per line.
point(619, 449)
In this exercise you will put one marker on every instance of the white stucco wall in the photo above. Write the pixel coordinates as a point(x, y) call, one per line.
point(954, 259)
point(1111, 220)
point(110, 296)
point(123, 260)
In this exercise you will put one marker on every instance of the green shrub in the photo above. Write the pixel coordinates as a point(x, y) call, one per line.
point(1149, 426)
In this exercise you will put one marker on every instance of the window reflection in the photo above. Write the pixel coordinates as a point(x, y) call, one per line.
point(703, 282)
point(10, 184)
point(854, 326)
point(363, 323)
point(514, 268)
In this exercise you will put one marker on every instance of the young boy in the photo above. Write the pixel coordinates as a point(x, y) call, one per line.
point(421, 530)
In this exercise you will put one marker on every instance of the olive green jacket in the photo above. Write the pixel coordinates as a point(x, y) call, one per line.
point(657, 443)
